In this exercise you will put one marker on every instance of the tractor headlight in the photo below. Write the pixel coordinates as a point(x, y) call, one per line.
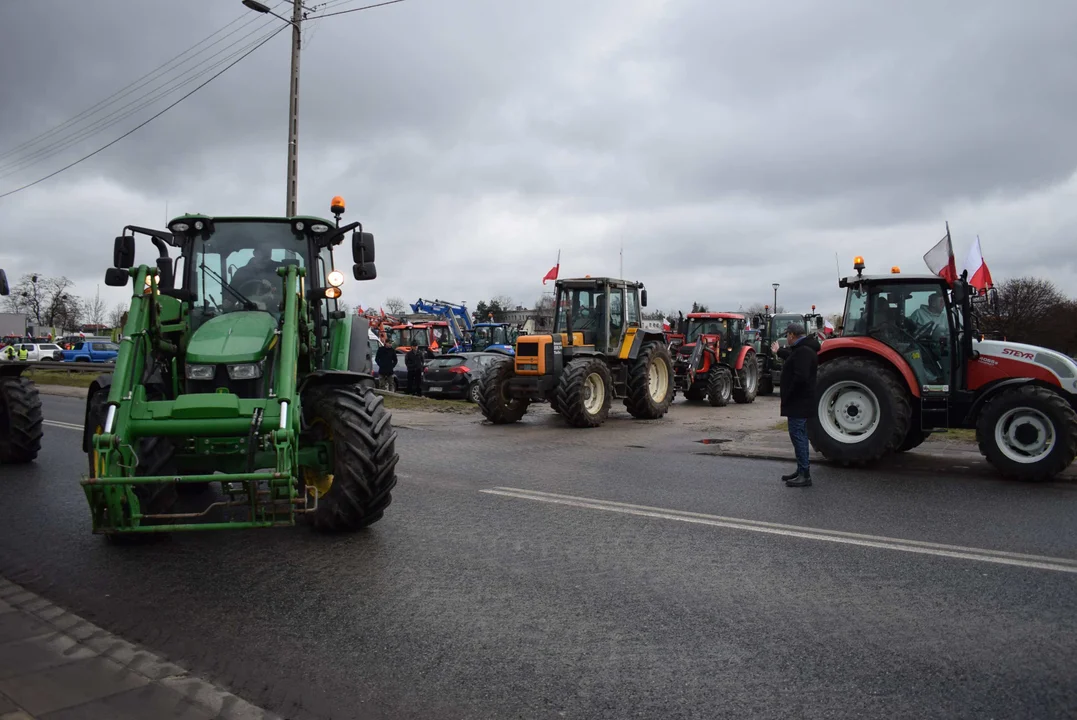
point(245, 371)
point(201, 372)
point(335, 278)
point(319, 228)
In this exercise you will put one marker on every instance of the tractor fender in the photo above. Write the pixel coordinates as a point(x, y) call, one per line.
point(990, 391)
point(100, 382)
point(359, 360)
point(870, 347)
point(335, 377)
point(741, 355)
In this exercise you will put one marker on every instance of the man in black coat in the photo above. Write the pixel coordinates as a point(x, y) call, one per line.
point(414, 361)
point(801, 361)
point(386, 362)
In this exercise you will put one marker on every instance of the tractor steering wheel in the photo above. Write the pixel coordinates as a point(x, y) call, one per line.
point(260, 291)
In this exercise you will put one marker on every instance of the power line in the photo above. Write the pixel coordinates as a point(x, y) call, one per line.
point(150, 119)
point(365, 7)
point(104, 123)
point(131, 87)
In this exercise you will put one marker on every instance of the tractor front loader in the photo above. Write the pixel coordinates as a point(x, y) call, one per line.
point(20, 409)
point(242, 395)
point(598, 352)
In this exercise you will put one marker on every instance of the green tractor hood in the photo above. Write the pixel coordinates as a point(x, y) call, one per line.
point(237, 337)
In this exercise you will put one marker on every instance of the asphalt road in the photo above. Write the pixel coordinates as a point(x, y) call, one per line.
point(679, 602)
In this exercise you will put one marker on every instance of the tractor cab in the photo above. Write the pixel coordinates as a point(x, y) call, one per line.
point(597, 312)
point(405, 337)
point(909, 362)
point(498, 337)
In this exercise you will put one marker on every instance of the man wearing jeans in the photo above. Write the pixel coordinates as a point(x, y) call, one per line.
point(800, 356)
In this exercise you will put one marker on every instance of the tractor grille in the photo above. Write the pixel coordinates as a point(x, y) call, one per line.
point(527, 349)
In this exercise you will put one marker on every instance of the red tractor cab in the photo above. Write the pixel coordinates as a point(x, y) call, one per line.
point(910, 362)
point(714, 360)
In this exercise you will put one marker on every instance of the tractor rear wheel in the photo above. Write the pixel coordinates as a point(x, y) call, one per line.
point(650, 382)
point(696, 392)
point(363, 473)
point(1029, 433)
point(748, 380)
point(584, 393)
point(494, 401)
point(719, 386)
point(20, 421)
point(863, 411)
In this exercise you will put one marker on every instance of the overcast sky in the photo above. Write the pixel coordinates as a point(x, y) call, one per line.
point(725, 145)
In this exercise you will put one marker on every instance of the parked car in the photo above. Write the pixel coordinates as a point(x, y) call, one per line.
point(92, 351)
point(457, 375)
point(37, 352)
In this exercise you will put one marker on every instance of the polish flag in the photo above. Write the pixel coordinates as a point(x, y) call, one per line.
point(940, 259)
point(979, 275)
point(828, 328)
point(552, 275)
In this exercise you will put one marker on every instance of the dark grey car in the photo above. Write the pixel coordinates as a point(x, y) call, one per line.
point(457, 375)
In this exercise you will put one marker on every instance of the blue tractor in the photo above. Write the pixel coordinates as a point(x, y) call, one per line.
point(494, 337)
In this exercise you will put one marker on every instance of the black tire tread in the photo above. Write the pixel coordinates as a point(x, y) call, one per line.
point(743, 395)
point(714, 383)
point(638, 401)
point(364, 457)
point(1066, 436)
point(491, 403)
point(570, 392)
point(20, 401)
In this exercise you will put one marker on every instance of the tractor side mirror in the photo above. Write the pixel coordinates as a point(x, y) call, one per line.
point(959, 292)
point(116, 277)
point(166, 278)
point(123, 252)
point(362, 247)
point(757, 321)
point(4, 289)
point(819, 324)
point(643, 297)
point(364, 271)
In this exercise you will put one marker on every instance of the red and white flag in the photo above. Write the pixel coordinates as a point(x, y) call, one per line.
point(979, 275)
point(552, 275)
point(940, 259)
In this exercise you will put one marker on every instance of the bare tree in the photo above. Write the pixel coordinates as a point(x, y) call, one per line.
point(1025, 309)
point(395, 306)
point(504, 302)
point(116, 315)
point(48, 300)
point(345, 307)
point(763, 308)
point(95, 309)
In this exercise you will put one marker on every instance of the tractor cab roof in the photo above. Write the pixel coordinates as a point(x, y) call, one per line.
point(586, 282)
point(715, 316)
point(892, 279)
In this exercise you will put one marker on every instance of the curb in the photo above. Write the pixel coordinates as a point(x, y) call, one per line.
point(75, 633)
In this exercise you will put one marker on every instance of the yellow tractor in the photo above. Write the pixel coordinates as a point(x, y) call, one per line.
point(598, 352)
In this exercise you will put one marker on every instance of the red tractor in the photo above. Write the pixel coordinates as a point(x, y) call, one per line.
point(714, 360)
point(909, 362)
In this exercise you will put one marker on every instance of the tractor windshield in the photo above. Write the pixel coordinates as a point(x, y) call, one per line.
point(698, 327)
point(409, 337)
point(485, 336)
point(236, 268)
point(780, 323)
point(583, 303)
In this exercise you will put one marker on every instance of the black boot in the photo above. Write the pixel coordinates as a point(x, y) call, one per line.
point(791, 476)
point(804, 480)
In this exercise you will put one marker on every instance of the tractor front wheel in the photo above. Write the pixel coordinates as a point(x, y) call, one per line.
point(650, 382)
point(719, 386)
point(583, 394)
point(20, 421)
point(863, 411)
point(494, 401)
point(747, 380)
point(1029, 433)
point(363, 473)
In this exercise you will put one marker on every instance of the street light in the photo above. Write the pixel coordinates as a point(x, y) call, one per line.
point(775, 286)
point(293, 96)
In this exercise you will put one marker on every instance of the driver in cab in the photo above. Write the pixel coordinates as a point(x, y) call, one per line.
point(933, 316)
point(257, 280)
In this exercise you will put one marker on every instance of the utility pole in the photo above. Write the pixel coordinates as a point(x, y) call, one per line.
point(293, 110)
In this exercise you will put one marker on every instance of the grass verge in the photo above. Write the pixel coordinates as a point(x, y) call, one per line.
point(958, 435)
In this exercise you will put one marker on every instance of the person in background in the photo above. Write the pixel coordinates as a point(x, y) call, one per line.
point(800, 356)
point(414, 361)
point(386, 361)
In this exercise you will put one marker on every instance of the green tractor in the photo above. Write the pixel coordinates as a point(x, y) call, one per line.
point(773, 329)
point(242, 395)
point(20, 409)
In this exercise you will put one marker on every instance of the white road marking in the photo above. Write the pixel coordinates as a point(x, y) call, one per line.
point(64, 425)
point(1039, 562)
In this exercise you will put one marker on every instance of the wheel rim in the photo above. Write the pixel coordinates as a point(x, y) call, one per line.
point(658, 379)
point(849, 412)
point(594, 393)
point(725, 384)
point(751, 375)
point(1025, 435)
point(474, 392)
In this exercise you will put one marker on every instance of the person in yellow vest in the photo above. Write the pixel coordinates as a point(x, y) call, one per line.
point(9, 352)
point(24, 354)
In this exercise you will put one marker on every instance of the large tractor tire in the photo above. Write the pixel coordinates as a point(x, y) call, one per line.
point(584, 392)
point(496, 405)
point(863, 411)
point(363, 474)
point(748, 380)
point(719, 386)
point(913, 439)
point(1029, 433)
point(20, 421)
point(696, 392)
point(650, 382)
point(155, 457)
